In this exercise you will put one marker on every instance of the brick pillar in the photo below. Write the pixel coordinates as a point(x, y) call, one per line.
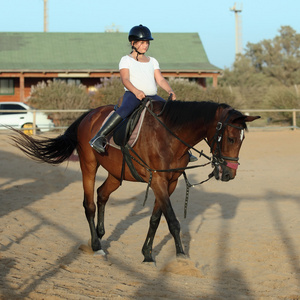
point(22, 88)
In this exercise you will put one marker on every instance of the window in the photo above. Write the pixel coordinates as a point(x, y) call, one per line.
point(12, 107)
point(69, 80)
point(7, 87)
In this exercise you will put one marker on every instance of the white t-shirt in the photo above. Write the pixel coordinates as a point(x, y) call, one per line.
point(141, 74)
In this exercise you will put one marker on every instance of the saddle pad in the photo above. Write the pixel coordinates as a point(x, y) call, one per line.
point(135, 134)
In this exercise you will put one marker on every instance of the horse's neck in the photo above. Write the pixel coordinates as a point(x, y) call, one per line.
point(190, 134)
point(194, 134)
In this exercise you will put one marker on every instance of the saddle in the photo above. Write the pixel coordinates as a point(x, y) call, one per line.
point(126, 135)
point(132, 124)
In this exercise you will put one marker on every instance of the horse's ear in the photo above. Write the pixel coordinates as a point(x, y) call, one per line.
point(251, 118)
point(245, 118)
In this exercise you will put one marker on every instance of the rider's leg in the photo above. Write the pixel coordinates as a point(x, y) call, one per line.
point(98, 142)
point(129, 103)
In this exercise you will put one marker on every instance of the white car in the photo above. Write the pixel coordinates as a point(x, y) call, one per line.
point(23, 118)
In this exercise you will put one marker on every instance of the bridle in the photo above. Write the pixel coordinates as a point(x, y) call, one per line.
point(217, 158)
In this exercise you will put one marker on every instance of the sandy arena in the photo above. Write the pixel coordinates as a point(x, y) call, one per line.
point(241, 237)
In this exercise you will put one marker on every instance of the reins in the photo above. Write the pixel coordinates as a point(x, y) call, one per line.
point(216, 160)
point(151, 171)
point(141, 162)
point(168, 129)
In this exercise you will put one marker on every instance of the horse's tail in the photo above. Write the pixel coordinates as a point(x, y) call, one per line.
point(50, 150)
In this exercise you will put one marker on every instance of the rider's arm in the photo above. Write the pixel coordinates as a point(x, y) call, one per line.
point(163, 83)
point(124, 73)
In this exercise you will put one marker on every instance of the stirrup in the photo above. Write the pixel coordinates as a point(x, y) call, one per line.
point(192, 158)
point(97, 145)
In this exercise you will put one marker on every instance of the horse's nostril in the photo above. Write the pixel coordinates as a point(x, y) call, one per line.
point(226, 177)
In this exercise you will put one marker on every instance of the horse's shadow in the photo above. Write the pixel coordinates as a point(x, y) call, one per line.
point(228, 204)
point(137, 213)
point(26, 181)
point(205, 200)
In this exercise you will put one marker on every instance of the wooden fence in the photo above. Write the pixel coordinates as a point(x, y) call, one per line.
point(265, 123)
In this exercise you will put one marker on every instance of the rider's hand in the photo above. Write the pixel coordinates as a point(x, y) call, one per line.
point(173, 95)
point(140, 95)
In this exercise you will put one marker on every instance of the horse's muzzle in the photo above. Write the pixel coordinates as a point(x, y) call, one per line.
point(224, 173)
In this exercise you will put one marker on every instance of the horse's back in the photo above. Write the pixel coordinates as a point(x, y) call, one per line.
point(88, 127)
point(92, 122)
point(153, 146)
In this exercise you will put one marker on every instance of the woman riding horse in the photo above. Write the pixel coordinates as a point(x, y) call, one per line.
point(161, 149)
point(140, 75)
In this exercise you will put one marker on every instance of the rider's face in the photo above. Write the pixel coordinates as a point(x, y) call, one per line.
point(141, 46)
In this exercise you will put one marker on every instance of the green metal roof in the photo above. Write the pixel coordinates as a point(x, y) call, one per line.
point(47, 51)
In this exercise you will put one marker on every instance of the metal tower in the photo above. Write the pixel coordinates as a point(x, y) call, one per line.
point(238, 29)
point(45, 16)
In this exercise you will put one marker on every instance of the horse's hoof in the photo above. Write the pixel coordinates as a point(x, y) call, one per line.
point(148, 260)
point(100, 252)
point(181, 256)
point(95, 245)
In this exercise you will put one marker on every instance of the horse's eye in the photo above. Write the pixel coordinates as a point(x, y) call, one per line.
point(230, 140)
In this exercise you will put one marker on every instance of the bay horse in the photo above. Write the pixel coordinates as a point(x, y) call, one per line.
point(163, 144)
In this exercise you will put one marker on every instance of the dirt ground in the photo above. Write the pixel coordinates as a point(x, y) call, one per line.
point(241, 237)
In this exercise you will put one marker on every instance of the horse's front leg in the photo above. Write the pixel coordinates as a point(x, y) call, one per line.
point(88, 180)
point(154, 222)
point(103, 193)
point(173, 223)
point(174, 227)
point(162, 205)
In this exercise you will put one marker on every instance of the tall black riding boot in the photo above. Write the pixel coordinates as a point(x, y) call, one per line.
point(98, 142)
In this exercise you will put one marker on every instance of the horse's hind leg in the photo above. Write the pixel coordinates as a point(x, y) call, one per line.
point(88, 179)
point(103, 192)
point(153, 225)
point(174, 227)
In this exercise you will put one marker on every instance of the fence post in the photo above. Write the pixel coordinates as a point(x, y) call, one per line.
point(34, 123)
point(294, 119)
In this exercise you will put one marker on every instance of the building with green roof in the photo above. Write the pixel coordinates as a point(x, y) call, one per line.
point(27, 58)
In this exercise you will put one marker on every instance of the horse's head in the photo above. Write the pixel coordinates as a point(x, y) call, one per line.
point(225, 141)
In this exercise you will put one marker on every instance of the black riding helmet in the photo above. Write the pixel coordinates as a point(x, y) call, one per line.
point(140, 33)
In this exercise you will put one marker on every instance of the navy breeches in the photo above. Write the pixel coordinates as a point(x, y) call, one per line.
point(131, 102)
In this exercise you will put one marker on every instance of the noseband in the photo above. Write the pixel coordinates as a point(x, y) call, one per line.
point(217, 158)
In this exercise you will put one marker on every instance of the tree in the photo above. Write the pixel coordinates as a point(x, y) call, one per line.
point(244, 74)
point(248, 85)
point(265, 66)
point(278, 58)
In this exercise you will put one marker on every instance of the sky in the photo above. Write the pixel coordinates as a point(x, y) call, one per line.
point(211, 19)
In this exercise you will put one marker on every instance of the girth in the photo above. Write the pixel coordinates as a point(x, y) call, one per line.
point(124, 130)
point(121, 137)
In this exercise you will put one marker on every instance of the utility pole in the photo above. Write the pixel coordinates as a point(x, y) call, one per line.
point(45, 16)
point(238, 34)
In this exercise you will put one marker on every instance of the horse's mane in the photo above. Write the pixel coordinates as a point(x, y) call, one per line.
point(178, 113)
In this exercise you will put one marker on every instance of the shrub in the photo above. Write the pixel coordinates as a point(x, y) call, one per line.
point(282, 97)
point(59, 95)
point(185, 90)
point(191, 91)
point(62, 96)
point(108, 92)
